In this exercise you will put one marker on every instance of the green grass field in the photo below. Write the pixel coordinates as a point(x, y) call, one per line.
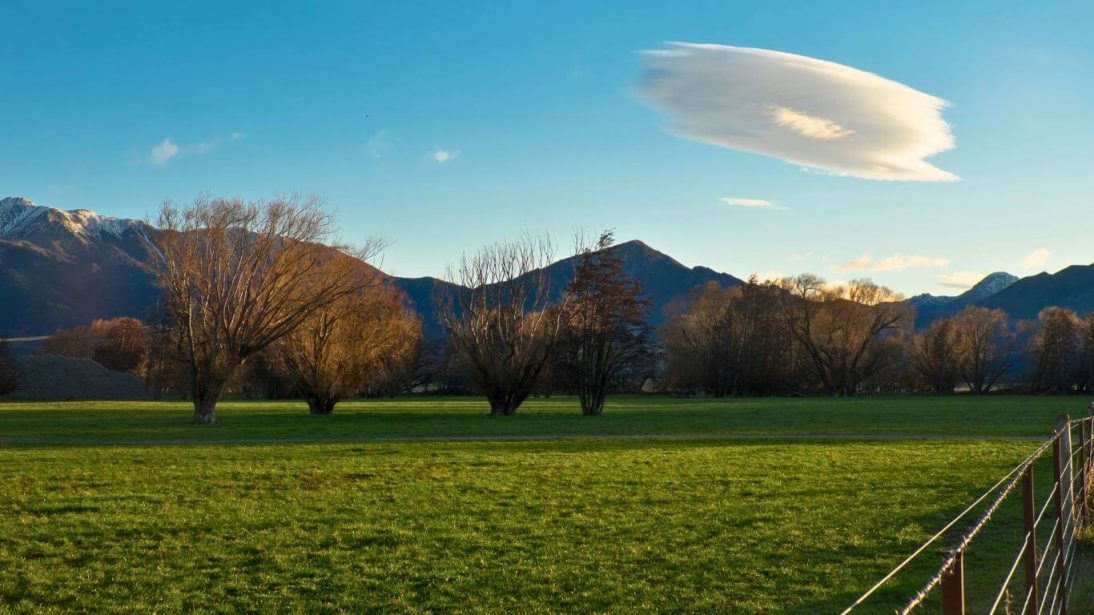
point(426, 417)
point(680, 524)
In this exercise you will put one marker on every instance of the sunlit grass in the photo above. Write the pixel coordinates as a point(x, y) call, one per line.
point(573, 526)
point(467, 417)
point(274, 510)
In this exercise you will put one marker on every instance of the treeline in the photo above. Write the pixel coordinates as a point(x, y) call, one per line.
point(256, 302)
point(803, 336)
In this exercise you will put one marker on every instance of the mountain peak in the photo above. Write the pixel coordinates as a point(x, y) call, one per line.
point(22, 220)
point(991, 284)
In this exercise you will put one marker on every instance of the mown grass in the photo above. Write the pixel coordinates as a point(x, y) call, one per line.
point(273, 510)
point(467, 417)
point(564, 526)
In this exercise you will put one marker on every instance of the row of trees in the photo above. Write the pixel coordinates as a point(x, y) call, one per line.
point(257, 283)
point(509, 327)
point(800, 334)
point(774, 337)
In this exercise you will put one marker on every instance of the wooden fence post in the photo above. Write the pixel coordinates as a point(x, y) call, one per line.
point(1059, 460)
point(1028, 518)
point(1086, 432)
point(953, 587)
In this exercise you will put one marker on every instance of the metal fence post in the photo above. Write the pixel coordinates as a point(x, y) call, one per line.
point(953, 587)
point(1057, 473)
point(1028, 520)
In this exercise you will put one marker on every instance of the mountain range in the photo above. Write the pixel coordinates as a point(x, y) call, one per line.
point(60, 269)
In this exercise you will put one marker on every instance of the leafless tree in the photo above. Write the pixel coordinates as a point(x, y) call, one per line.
point(501, 322)
point(238, 276)
point(843, 328)
point(1056, 347)
point(987, 344)
point(729, 341)
point(934, 356)
point(352, 342)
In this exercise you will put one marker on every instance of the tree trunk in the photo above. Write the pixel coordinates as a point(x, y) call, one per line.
point(503, 407)
point(206, 393)
point(592, 406)
point(321, 406)
point(205, 408)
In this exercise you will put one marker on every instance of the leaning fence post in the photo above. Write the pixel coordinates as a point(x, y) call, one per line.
point(953, 587)
point(1059, 460)
point(1028, 521)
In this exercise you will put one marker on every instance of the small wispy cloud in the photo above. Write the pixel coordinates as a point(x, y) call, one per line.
point(1036, 259)
point(163, 151)
point(441, 156)
point(166, 150)
point(806, 111)
point(963, 280)
point(735, 201)
point(379, 143)
point(896, 262)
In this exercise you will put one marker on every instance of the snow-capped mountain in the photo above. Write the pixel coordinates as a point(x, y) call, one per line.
point(22, 220)
point(60, 269)
point(932, 307)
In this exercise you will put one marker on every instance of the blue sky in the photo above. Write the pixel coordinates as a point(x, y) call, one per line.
point(443, 126)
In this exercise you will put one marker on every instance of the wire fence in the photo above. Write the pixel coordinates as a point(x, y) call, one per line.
point(1048, 573)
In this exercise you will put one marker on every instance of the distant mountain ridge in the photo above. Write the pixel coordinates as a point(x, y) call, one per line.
point(1071, 287)
point(929, 307)
point(60, 269)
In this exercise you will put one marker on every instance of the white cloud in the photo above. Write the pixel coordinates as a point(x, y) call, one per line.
point(379, 143)
point(963, 280)
point(810, 112)
point(441, 156)
point(896, 262)
point(1036, 259)
point(751, 203)
point(166, 150)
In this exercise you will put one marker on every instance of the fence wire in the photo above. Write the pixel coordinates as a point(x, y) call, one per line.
point(1070, 516)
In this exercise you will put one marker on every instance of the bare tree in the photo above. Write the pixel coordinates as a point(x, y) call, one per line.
point(1056, 347)
point(729, 341)
point(346, 344)
point(986, 346)
point(501, 323)
point(238, 276)
point(934, 356)
point(605, 329)
point(843, 328)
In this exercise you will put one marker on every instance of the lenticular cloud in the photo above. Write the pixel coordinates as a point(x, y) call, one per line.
point(810, 112)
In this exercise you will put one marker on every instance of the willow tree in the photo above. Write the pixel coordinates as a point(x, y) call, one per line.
point(239, 276)
point(987, 346)
point(351, 342)
point(934, 356)
point(729, 341)
point(500, 320)
point(846, 330)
